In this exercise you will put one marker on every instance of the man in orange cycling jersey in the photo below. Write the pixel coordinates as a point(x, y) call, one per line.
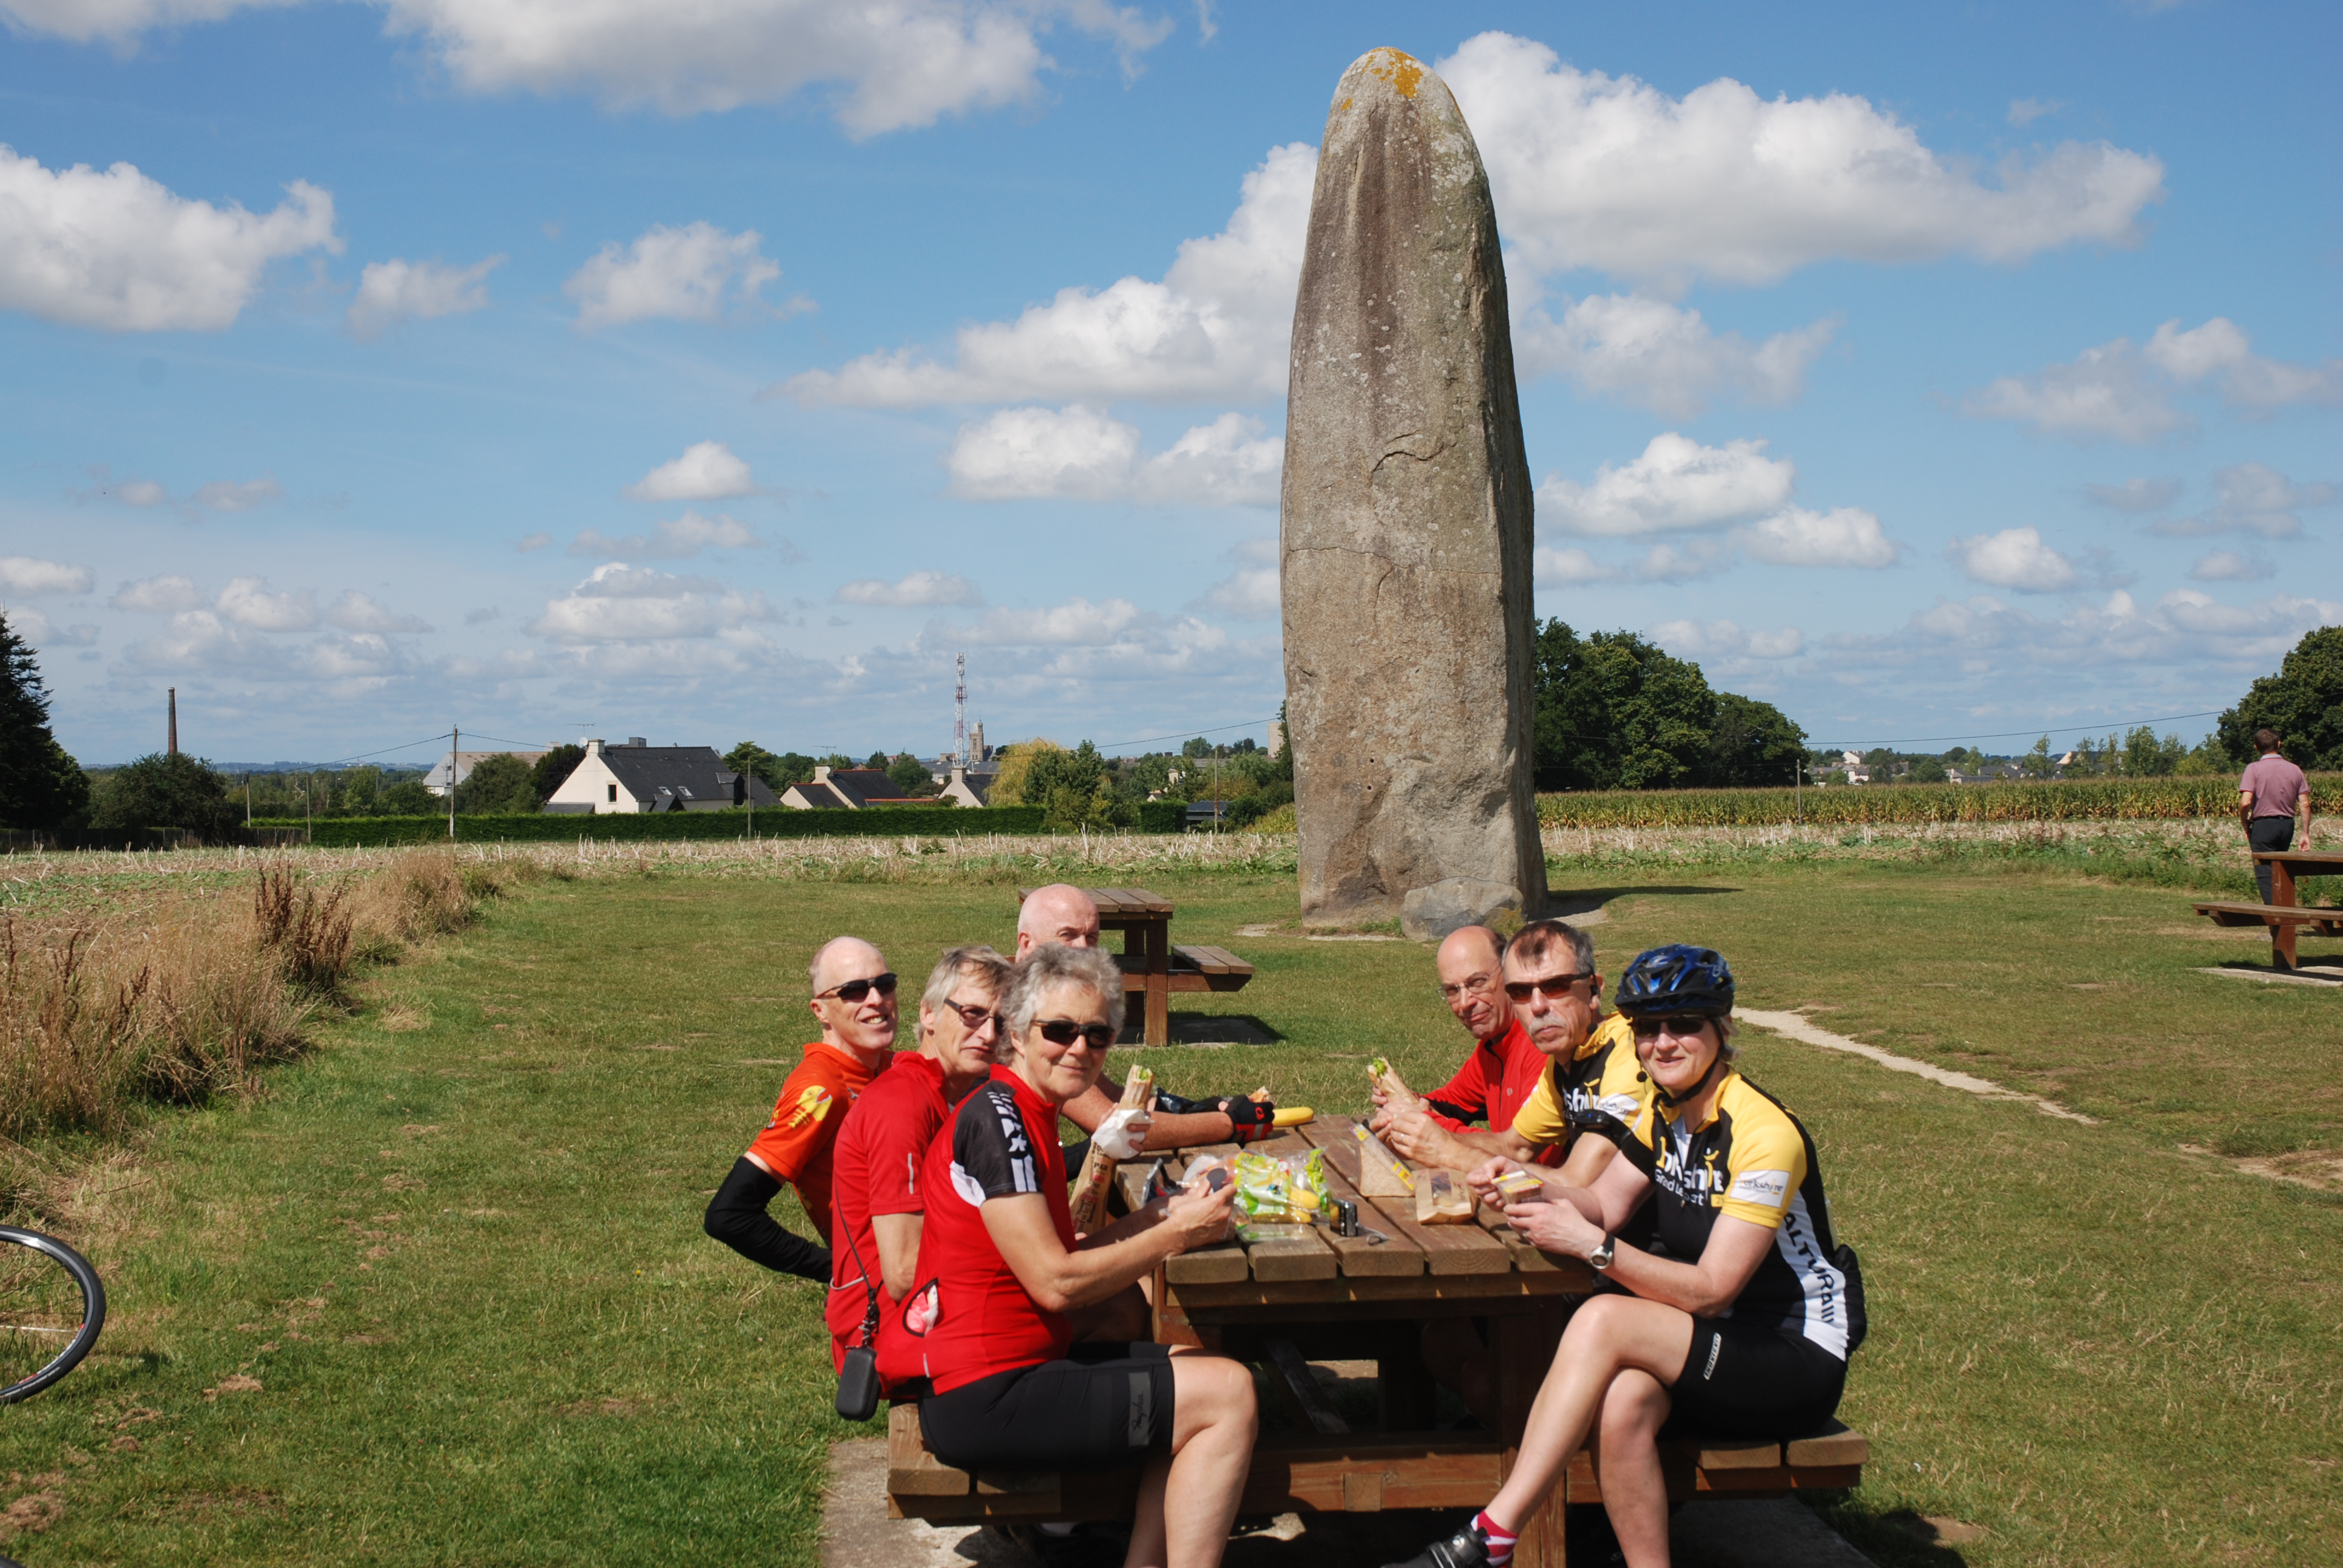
point(854, 999)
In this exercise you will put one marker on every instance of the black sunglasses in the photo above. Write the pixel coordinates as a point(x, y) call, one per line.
point(974, 1016)
point(1683, 1025)
point(1554, 985)
point(855, 990)
point(1065, 1031)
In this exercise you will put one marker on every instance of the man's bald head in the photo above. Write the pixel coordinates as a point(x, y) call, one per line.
point(844, 959)
point(1060, 913)
point(1473, 980)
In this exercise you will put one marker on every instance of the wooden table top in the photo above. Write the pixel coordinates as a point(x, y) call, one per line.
point(1120, 903)
point(1309, 1265)
point(2318, 862)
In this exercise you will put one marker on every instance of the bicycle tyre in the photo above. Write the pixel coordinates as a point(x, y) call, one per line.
point(49, 1307)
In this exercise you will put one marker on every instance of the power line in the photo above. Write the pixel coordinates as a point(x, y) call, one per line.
point(386, 751)
point(1222, 729)
point(2016, 734)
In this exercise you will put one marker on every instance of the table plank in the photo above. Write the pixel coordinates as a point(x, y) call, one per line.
point(1279, 1254)
point(1447, 1249)
point(1363, 1256)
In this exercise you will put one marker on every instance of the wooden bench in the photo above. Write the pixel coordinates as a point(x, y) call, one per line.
point(1359, 1472)
point(2283, 916)
point(1192, 968)
point(1152, 969)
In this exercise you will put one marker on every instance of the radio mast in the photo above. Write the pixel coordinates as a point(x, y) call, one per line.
point(959, 707)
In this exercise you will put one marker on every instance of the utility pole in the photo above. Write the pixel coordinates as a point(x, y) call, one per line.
point(174, 719)
point(455, 741)
point(960, 709)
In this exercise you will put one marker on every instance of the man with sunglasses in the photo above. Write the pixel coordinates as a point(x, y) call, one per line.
point(1063, 915)
point(854, 998)
point(877, 1203)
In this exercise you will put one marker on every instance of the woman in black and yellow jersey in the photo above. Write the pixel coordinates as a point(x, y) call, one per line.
point(1736, 1322)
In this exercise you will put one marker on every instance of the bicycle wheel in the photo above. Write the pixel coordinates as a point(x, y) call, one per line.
point(51, 1308)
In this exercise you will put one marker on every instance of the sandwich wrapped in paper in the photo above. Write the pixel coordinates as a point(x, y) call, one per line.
point(1381, 1173)
point(1394, 1088)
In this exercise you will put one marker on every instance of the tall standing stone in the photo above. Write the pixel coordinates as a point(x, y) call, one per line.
point(1406, 534)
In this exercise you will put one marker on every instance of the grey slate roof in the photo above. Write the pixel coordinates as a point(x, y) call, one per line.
point(684, 778)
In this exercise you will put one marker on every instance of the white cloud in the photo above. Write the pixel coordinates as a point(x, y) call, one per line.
point(2135, 496)
point(621, 603)
point(115, 250)
point(1082, 454)
point(1567, 568)
point(1112, 639)
point(1843, 536)
point(1251, 593)
point(2025, 111)
point(42, 632)
point(674, 539)
point(1724, 639)
point(707, 471)
point(30, 575)
point(105, 486)
point(2251, 498)
point(482, 616)
point(919, 588)
point(158, 594)
point(1216, 326)
point(356, 612)
point(1677, 483)
point(2014, 559)
point(689, 274)
point(2121, 393)
point(1659, 355)
point(390, 292)
point(2229, 567)
point(248, 602)
point(1666, 563)
point(1610, 173)
point(536, 542)
point(234, 496)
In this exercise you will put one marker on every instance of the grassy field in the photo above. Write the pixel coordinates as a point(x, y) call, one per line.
point(437, 1293)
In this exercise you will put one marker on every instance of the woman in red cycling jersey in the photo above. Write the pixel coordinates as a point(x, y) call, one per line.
point(1737, 1322)
point(1001, 1269)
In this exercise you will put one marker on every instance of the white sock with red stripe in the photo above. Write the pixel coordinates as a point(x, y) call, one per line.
point(1501, 1539)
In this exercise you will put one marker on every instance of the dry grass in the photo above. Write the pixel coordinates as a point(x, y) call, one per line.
point(179, 993)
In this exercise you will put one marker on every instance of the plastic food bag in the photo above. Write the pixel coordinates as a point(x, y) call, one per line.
point(1291, 1190)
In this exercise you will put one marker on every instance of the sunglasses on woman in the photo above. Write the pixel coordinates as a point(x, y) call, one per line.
point(855, 990)
point(1683, 1025)
point(1065, 1031)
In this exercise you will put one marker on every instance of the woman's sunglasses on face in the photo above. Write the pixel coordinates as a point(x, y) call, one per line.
point(854, 992)
point(1065, 1031)
point(1684, 1026)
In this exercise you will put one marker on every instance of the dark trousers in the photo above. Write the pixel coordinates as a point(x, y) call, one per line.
point(2268, 836)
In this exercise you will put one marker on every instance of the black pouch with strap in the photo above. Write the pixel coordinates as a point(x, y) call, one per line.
point(858, 1377)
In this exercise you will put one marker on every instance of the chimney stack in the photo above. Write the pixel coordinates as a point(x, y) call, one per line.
point(174, 719)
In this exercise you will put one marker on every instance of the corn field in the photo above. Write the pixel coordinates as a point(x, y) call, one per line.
point(2059, 800)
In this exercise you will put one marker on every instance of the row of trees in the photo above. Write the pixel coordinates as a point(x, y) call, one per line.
point(1616, 712)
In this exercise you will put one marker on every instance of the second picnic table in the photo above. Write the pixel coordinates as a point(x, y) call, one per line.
point(2285, 919)
point(1150, 964)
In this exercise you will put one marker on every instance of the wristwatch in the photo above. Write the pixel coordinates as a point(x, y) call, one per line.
point(1600, 1259)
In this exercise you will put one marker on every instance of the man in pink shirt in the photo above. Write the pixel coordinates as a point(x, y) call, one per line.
point(2270, 794)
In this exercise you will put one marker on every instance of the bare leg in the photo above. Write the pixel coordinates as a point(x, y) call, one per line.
point(1184, 1517)
point(1609, 1335)
point(1627, 1461)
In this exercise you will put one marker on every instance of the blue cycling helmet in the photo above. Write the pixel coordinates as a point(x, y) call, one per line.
point(1676, 979)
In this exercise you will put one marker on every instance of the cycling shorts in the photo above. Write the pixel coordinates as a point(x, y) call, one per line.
point(1747, 1379)
point(1103, 1407)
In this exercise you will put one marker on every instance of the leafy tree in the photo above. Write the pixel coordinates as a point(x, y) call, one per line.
point(361, 791)
point(166, 790)
point(499, 785)
point(2037, 763)
point(1616, 712)
point(778, 771)
point(1752, 743)
point(552, 771)
point(911, 776)
point(2303, 702)
point(40, 785)
point(408, 798)
point(836, 760)
point(1199, 746)
point(1928, 771)
point(879, 760)
point(1016, 763)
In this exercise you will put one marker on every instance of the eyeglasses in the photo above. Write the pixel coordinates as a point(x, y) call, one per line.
point(1474, 983)
point(855, 990)
point(1553, 985)
point(1683, 1025)
point(1065, 1031)
point(974, 1016)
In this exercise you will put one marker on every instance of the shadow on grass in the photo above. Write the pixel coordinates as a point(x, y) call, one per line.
point(1900, 1538)
point(1203, 1029)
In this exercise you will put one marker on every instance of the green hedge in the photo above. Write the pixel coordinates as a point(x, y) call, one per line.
point(2055, 800)
point(780, 823)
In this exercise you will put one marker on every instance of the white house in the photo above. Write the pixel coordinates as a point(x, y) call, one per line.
point(637, 776)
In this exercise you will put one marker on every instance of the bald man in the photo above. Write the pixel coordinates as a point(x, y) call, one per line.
point(1495, 1081)
point(854, 1000)
point(1063, 915)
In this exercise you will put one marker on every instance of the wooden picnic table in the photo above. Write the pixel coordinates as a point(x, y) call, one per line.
point(1296, 1294)
point(2284, 917)
point(1152, 966)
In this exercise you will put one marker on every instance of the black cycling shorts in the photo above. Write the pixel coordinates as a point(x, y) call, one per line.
point(1105, 1406)
point(1748, 1379)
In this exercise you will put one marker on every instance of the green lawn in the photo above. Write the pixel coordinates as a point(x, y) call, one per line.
point(459, 1248)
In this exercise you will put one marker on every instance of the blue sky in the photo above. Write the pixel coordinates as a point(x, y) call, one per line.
point(568, 369)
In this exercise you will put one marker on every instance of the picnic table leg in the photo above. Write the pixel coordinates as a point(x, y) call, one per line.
point(1521, 1349)
point(1156, 939)
point(2282, 935)
point(1408, 1394)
